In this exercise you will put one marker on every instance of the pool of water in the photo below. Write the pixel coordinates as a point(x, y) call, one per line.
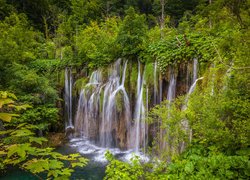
point(95, 170)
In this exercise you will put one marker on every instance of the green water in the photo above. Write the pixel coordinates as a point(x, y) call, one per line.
point(93, 171)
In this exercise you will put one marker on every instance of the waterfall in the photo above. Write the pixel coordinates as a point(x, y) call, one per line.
point(109, 108)
point(172, 86)
point(195, 69)
point(145, 124)
point(160, 89)
point(139, 114)
point(88, 108)
point(194, 81)
point(68, 81)
point(155, 83)
point(99, 113)
point(184, 123)
point(170, 97)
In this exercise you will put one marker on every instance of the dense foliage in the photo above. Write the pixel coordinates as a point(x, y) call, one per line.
point(20, 145)
point(38, 39)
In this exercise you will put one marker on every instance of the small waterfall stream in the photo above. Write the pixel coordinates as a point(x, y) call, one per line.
point(170, 97)
point(185, 124)
point(139, 113)
point(155, 83)
point(68, 81)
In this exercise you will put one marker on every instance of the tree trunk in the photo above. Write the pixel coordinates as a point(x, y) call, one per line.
point(46, 30)
point(162, 20)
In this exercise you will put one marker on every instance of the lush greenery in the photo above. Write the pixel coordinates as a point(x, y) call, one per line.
point(38, 39)
point(20, 145)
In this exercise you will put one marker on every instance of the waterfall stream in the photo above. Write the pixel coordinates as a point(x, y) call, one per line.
point(139, 113)
point(68, 98)
point(195, 79)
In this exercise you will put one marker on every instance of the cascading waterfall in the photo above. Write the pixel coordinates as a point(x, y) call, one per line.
point(160, 89)
point(172, 86)
point(109, 108)
point(139, 114)
point(98, 116)
point(104, 112)
point(195, 69)
point(170, 97)
point(88, 108)
point(155, 83)
point(185, 125)
point(68, 97)
point(194, 81)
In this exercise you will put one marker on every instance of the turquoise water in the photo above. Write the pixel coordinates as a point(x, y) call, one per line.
point(93, 171)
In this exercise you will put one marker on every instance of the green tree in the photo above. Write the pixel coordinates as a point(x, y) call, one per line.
point(132, 34)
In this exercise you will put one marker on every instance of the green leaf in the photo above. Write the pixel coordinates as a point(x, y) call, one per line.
point(37, 165)
point(12, 150)
point(5, 132)
point(55, 164)
point(21, 107)
point(2, 153)
point(53, 173)
point(7, 116)
point(38, 140)
point(5, 101)
point(19, 149)
point(22, 132)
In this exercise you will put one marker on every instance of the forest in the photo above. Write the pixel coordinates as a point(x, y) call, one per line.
point(129, 89)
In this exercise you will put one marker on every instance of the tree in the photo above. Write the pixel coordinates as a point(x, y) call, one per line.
point(132, 33)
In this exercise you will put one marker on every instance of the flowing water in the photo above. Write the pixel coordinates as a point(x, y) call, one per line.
point(68, 97)
point(170, 97)
point(139, 113)
point(185, 124)
point(106, 119)
point(104, 116)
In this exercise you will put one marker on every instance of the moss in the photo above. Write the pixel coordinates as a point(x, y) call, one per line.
point(79, 84)
point(101, 99)
point(133, 78)
point(61, 75)
point(119, 101)
point(149, 74)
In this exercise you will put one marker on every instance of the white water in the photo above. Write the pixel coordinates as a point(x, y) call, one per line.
point(172, 86)
point(155, 83)
point(194, 81)
point(170, 97)
point(96, 153)
point(104, 105)
point(107, 116)
point(99, 112)
point(139, 114)
point(184, 123)
point(68, 97)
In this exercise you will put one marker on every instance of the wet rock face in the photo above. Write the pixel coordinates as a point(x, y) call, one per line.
point(57, 139)
point(104, 115)
point(69, 131)
point(121, 132)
